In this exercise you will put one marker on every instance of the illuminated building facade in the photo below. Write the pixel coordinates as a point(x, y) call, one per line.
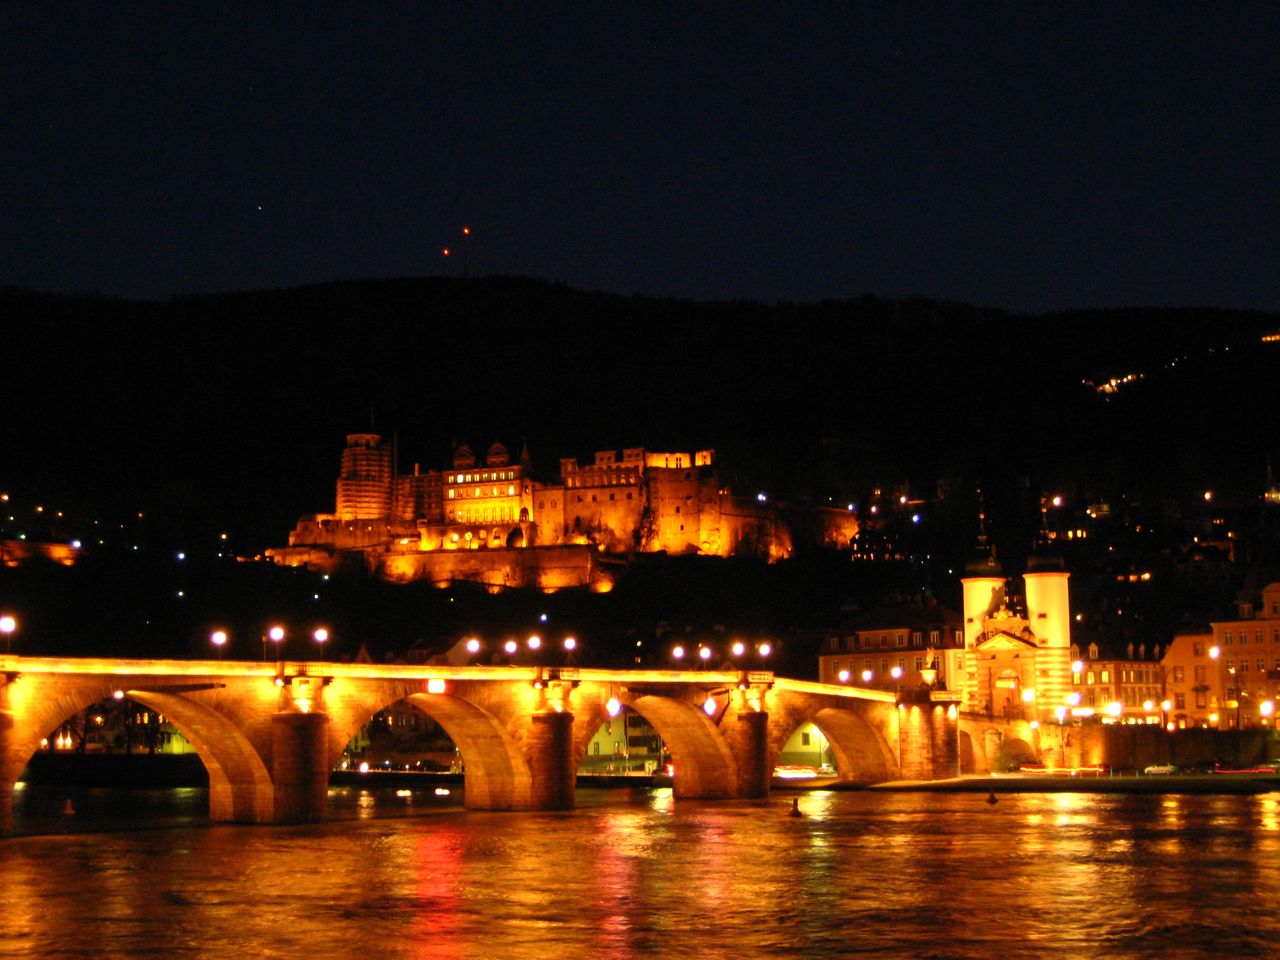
point(1247, 667)
point(414, 526)
point(1126, 685)
point(911, 639)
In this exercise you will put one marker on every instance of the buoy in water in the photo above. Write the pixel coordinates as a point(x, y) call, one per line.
point(795, 807)
point(992, 798)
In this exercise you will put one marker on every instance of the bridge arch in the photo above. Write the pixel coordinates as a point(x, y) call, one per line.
point(704, 764)
point(498, 775)
point(240, 786)
point(861, 753)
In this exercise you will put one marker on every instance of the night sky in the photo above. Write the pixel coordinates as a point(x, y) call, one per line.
point(1028, 156)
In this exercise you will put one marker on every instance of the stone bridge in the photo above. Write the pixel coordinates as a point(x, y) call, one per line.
point(270, 733)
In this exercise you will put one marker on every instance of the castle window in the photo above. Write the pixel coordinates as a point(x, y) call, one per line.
point(916, 638)
point(628, 494)
point(612, 497)
point(579, 498)
point(933, 637)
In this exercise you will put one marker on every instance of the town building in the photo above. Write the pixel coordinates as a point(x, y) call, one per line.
point(1192, 684)
point(1121, 681)
point(891, 648)
point(1247, 657)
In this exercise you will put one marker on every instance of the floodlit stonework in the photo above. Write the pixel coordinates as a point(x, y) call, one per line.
point(486, 519)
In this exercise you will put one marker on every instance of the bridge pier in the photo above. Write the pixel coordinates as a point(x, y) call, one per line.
point(549, 749)
point(749, 740)
point(928, 741)
point(300, 766)
point(7, 775)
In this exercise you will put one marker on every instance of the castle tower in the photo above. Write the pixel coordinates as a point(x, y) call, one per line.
point(365, 483)
point(983, 584)
point(1049, 615)
point(984, 593)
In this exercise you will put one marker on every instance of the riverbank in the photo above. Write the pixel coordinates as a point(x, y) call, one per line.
point(1035, 783)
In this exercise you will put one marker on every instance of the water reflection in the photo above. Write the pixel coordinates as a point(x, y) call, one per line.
point(895, 875)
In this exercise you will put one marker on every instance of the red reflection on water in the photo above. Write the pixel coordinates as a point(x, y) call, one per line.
point(437, 930)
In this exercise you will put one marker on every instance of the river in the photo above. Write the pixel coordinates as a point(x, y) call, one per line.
point(638, 874)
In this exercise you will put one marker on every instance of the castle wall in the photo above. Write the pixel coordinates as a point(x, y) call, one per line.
point(546, 568)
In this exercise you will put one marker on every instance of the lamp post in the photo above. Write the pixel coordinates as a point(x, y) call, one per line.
point(219, 639)
point(8, 624)
point(321, 636)
point(276, 636)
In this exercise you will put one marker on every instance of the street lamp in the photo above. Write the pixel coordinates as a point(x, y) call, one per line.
point(570, 646)
point(219, 639)
point(8, 624)
point(321, 636)
point(276, 635)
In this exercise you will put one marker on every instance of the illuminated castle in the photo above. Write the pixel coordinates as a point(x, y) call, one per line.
point(490, 521)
